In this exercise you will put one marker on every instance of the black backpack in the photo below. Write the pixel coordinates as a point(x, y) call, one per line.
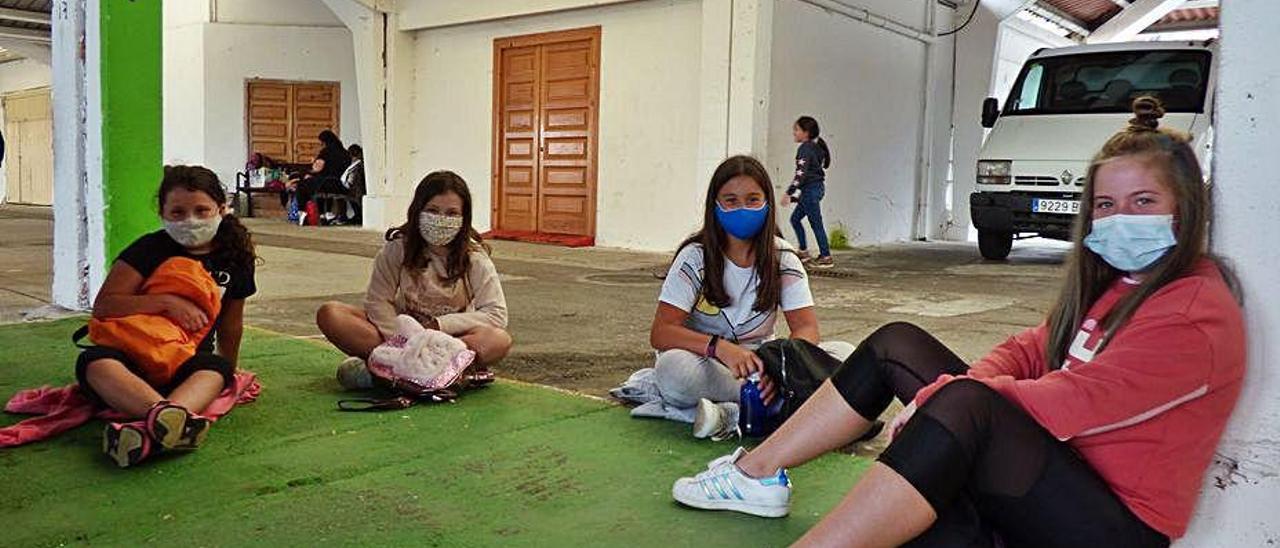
point(799, 367)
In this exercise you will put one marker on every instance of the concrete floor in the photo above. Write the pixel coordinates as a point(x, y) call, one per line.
point(581, 316)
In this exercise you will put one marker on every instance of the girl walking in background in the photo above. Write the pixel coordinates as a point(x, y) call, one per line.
point(813, 157)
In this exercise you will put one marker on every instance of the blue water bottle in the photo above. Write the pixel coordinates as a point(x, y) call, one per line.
point(753, 416)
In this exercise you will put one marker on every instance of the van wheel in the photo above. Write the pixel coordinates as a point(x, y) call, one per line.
point(994, 245)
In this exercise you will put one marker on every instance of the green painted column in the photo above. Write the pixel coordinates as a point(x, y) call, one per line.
point(132, 122)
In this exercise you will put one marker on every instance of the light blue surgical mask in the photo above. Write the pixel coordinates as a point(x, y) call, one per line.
point(1132, 243)
point(742, 223)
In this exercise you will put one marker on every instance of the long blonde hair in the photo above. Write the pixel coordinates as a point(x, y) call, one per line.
point(1168, 154)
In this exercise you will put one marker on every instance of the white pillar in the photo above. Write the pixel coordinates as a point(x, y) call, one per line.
point(733, 114)
point(713, 103)
point(368, 34)
point(752, 41)
point(71, 224)
point(390, 190)
point(975, 56)
point(1240, 502)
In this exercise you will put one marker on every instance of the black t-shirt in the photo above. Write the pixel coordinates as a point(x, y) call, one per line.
point(336, 161)
point(148, 252)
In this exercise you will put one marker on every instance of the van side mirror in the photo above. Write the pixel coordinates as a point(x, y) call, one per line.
point(990, 111)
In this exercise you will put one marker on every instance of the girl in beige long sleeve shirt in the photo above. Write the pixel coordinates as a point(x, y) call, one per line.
point(433, 268)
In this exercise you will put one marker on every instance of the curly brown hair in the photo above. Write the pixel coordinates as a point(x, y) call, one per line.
point(233, 241)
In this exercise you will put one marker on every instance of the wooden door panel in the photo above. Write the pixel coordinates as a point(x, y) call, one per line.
point(565, 148)
point(565, 181)
point(274, 149)
point(545, 100)
point(563, 214)
point(517, 150)
point(28, 162)
point(38, 160)
point(13, 160)
point(285, 118)
point(324, 94)
point(265, 92)
point(269, 115)
point(268, 130)
point(568, 119)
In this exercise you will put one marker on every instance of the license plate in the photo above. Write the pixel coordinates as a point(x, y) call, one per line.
point(1064, 207)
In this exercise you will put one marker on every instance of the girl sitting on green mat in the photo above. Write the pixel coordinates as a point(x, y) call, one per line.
point(721, 299)
point(197, 225)
point(435, 268)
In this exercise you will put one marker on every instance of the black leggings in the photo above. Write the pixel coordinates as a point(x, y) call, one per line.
point(986, 467)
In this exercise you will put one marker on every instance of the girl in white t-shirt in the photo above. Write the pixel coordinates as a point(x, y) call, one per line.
point(716, 307)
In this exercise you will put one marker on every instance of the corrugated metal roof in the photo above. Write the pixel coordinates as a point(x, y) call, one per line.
point(1089, 13)
point(29, 5)
point(1192, 15)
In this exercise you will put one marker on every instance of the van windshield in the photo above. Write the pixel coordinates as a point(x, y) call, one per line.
point(1109, 82)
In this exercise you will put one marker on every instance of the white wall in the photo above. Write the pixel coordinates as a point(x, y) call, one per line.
point(15, 76)
point(422, 14)
point(235, 53)
point(183, 84)
point(1238, 506)
point(865, 86)
point(292, 13)
point(649, 74)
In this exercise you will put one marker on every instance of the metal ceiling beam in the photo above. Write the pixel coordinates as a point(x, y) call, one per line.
point(28, 35)
point(1133, 20)
point(1058, 17)
point(10, 14)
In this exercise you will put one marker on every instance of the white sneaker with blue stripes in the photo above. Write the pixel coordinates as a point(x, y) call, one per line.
point(723, 486)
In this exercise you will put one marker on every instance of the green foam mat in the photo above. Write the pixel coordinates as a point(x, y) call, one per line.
point(510, 464)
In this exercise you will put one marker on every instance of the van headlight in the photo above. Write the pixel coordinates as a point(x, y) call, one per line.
point(995, 172)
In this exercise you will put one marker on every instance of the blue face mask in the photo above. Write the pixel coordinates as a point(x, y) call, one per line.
point(742, 223)
point(1132, 243)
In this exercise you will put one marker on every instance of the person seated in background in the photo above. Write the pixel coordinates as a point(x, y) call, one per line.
point(1094, 428)
point(325, 175)
point(354, 186)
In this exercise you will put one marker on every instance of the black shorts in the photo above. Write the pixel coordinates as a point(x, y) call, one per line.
point(202, 361)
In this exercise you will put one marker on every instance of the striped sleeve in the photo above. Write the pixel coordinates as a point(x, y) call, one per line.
point(795, 283)
point(684, 279)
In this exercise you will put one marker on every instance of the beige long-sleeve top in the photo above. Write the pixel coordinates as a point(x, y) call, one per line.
point(475, 301)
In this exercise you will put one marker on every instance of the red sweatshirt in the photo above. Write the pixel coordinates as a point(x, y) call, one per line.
point(1147, 411)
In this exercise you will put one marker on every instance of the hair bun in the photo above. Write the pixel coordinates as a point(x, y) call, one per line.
point(1147, 111)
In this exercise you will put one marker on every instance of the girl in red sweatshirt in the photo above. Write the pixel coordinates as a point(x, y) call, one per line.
point(1091, 429)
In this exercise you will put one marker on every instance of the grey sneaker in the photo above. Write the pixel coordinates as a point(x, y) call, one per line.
point(718, 421)
point(353, 374)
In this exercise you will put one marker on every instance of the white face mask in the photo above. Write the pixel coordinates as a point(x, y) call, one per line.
point(193, 232)
point(438, 229)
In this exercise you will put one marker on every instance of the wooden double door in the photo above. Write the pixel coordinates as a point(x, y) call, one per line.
point(546, 97)
point(28, 158)
point(285, 118)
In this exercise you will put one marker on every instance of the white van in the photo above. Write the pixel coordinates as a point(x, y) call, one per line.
point(1064, 105)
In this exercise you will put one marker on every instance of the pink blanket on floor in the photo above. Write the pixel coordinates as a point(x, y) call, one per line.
point(61, 409)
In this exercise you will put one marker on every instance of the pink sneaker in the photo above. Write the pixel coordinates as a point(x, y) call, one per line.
point(127, 443)
point(173, 427)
